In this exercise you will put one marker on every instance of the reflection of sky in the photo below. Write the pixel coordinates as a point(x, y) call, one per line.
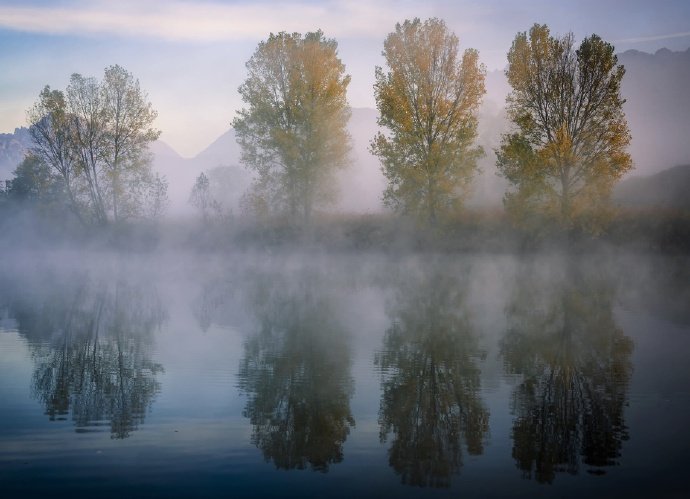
point(18, 408)
point(190, 56)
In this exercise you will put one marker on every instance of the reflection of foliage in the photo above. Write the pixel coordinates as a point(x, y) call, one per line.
point(431, 383)
point(96, 363)
point(296, 373)
point(575, 364)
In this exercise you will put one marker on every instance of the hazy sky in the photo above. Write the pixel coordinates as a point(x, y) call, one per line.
point(189, 55)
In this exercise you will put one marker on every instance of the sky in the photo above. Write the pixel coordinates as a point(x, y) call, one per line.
point(189, 55)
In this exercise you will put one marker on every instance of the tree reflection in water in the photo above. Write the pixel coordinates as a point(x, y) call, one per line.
point(296, 373)
point(90, 345)
point(431, 381)
point(575, 366)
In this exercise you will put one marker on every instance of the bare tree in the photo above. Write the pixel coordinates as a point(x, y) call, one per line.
point(50, 132)
point(96, 136)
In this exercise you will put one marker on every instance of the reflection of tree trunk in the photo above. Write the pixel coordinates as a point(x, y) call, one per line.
point(100, 205)
point(73, 202)
point(97, 322)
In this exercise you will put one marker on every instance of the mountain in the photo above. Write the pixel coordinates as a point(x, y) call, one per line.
point(222, 150)
point(222, 154)
point(667, 189)
point(13, 147)
point(657, 92)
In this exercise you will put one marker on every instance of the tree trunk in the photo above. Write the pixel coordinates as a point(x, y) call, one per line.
point(115, 197)
point(565, 198)
point(431, 200)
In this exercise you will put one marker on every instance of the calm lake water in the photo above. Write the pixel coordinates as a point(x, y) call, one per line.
point(344, 375)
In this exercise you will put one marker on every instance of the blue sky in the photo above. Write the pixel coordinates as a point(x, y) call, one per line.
point(190, 55)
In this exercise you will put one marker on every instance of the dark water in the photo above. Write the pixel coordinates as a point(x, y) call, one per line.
point(344, 376)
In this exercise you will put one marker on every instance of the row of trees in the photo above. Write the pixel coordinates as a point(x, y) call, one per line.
point(566, 149)
point(91, 144)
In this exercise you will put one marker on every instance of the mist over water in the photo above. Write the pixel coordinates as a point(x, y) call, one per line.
point(342, 375)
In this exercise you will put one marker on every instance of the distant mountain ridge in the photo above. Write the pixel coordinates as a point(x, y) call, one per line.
point(668, 189)
point(657, 92)
point(13, 148)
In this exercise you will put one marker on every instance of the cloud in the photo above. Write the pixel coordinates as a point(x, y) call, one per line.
point(654, 38)
point(208, 21)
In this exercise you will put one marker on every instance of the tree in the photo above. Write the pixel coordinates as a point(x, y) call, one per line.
point(87, 139)
point(200, 197)
point(129, 118)
point(96, 136)
point(209, 189)
point(427, 101)
point(52, 140)
point(157, 196)
point(293, 132)
point(35, 181)
point(570, 138)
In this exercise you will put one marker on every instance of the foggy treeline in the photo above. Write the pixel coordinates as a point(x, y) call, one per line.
point(553, 156)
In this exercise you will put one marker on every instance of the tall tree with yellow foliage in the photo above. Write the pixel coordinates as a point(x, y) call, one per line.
point(570, 138)
point(427, 102)
point(293, 132)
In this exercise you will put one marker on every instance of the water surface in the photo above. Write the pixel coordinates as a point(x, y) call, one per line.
point(365, 375)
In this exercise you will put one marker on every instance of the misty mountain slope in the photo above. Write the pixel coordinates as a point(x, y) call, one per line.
point(222, 151)
point(13, 148)
point(161, 150)
point(665, 190)
point(181, 172)
point(657, 90)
